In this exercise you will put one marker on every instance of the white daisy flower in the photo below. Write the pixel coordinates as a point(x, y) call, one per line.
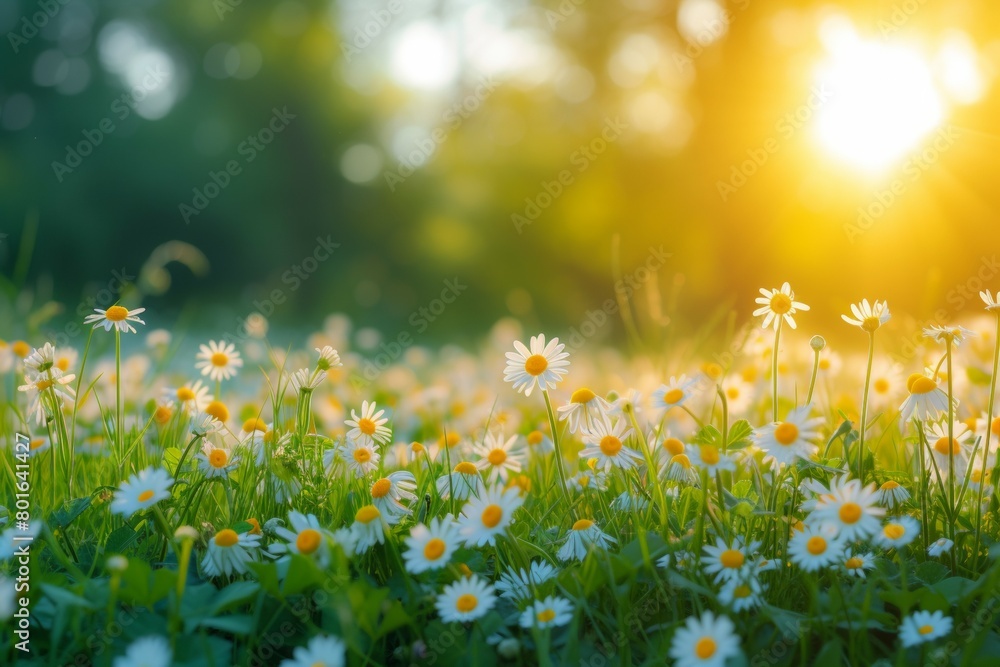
point(465, 600)
point(151, 651)
point(587, 480)
point(229, 552)
point(368, 528)
point(925, 400)
point(953, 334)
point(992, 303)
point(540, 365)
point(815, 548)
point(940, 547)
point(581, 537)
point(584, 408)
point(218, 360)
point(739, 394)
point(41, 359)
point(786, 441)
point(118, 317)
point(539, 443)
point(430, 547)
point(192, 397)
point(704, 641)
point(217, 460)
point(725, 560)
point(360, 455)
point(464, 482)
point(944, 455)
point(36, 388)
point(141, 491)
point(628, 502)
point(852, 509)
point(681, 560)
point(319, 652)
point(711, 459)
point(891, 494)
point(857, 564)
point(923, 626)
point(328, 358)
point(307, 537)
point(499, 458)
point(777, 304)
point(521, 585)
point(605, 442)
point(388, 493)
point(679, 469)
point(485, 517)
point(551, 612)
point(673, 394)
point(868, 317)
point(744, 591)
point(897, 532)
point(38, 445)
point(369, 427)
point(305, 380)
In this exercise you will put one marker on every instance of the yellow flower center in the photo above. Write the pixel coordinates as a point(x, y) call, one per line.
point(816, 545)
point(450, 440)
point(881, 385)
point(977, 475)
point(466, 468)
point(786, 433)
point(62, 364)
point(682, 460)
point(308, 541)
point(732, 393)
point(890, 485)
point(116, 313)
point(824, 364)
point(362, 455)
point(36, 443)
point(894, 531)
point(582, 395)
point(926, 629)
point(732, 559)
point(705, 648)
point(466, 603)
point(853, 563)
point(417, 448)
point(254, 424)
point(42, 385)
point(162, 414)
point(226, 537)
point(941, 447)
point(366, 426)
point(492, 516)
point(673, 396)
point(256, 526)
point(712, 370)
point(218, 458)
point(610, 445)
point(583, 480)
point(995, 426)
point(497, 457)
point(545, 615)
point(673, 446)
point(850, 513)
point(434, 548)
point(20, 348)
point(583, 524)
point(536, 364)
point(920, 384)
point(367, 514)
point(220, 359)
point(742, 591)
point(535, 438)
point(380, 489)
point(146, 495)
point(710, 454)
point(184, 394)
point(871, 323)
point(218, 410)
point(781, 303)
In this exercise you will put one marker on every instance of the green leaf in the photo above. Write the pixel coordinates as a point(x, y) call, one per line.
point(954, 589)
point(237, 624)
point(234, 594)
point(64, 598)
point(739, 432)
point(708, 435)
point(70, 510)
point(120, 539)
point(171, 457)
point(302, 574)
point(931, 572)
point(831, 655)
point(242, 527)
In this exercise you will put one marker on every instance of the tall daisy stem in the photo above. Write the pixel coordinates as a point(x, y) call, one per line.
point(812, 378)
point(558, 458)
point(774, 372)
point(863, 427)
point(951, 435)
point(119, 426)
point(986, 447)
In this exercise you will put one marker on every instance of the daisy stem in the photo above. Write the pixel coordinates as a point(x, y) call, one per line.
point(558, 458)
point(812, 378)
point(924, 476)
point(76, 404)
point(774, 372)
point(651, 476)
point(951, 437)
point(986, 448)
point(187, 450)
point(863, 426)
point(119, 432)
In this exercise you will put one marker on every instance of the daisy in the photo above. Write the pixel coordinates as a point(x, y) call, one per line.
point(855, 565)
point(786, 441)
point(777, 304)
point(852, 509)
point(35, 389)
point(360, 456)
point(192, 397)
point(940, 547)
point(992, 303)
point(725, 560)
point(898, 532)
point(307, 538)
point(605, 443)
point(584, 408)
point(41, 359)
point(582, 536)
point(229, 552)
point(319, 652)
point(463, 482)
point(540, 365)
point(367, 528)
point(587, 479)
point(891, 494)
point(141, 491)
point(218, 360)
point(389, 492)
point(886, 383)
point(673, 394)
point(679, 469)
point(711, 459)
point(539, 443)
point(739, 395)
point(305, 380)
point(743, 591)
point(923, 626)
point(217, 460)
point(954, 335)
point(926, 400)
point(151, 651)
point(815, 548)
point(946, 452)
point(498, 457)
point(118, 317)
point(705, 641)
point(485, 517)
point(369, 427)
point(328, 358)
point(551, 612)
point(430, 547)
point(465, 600)
point(868, 317)
point(38, 445)
point(203, 424)
point(682, 560)
point(518, 585)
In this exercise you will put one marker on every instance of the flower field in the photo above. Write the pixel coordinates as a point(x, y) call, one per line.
point(527, 502)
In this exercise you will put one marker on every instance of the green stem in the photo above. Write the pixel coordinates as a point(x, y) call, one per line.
point(812, 378)
point(558, 458)
point(863, 427)
point(986, 448)
point(774, 371)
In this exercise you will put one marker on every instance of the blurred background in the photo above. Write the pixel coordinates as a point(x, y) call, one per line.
point(301, 157)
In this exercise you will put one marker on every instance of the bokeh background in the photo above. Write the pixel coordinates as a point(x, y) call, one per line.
point(850, 148)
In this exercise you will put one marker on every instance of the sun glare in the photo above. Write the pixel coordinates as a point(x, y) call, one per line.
point(882, 100)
